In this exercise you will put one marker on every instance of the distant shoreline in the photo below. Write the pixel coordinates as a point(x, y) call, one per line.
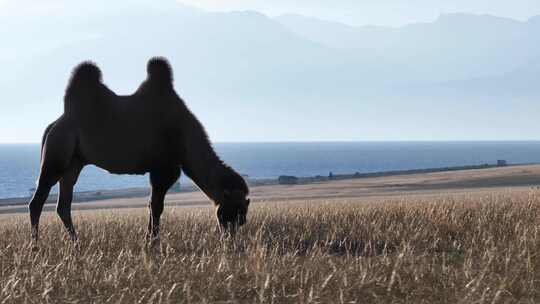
point(99, 195)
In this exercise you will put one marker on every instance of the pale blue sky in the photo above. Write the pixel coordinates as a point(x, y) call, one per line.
point(354, 12)
point(272, 81)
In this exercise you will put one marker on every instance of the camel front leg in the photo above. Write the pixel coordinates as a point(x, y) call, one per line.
point(161, 181)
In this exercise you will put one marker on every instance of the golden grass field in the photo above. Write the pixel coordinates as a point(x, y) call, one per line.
point(480, 247)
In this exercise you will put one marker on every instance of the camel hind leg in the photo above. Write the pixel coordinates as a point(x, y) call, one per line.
point(65, 197)
point(57, 154)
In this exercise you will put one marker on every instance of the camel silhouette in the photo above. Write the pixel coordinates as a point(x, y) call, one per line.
point(151, 131)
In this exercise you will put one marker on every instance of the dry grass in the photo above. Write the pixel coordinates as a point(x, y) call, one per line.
point(455, 249)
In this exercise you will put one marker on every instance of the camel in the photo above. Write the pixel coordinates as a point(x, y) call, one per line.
point(151, 131)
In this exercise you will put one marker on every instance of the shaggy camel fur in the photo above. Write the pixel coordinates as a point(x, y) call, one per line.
point(151, 131)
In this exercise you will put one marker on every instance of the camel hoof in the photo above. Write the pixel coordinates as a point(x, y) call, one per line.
point(74, 243)
point(34, 247)
point(74, 239)
point(153, 242)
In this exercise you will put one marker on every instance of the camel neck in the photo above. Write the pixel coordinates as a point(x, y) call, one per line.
point(199, 161)
point(207, 177)
point(203, 166)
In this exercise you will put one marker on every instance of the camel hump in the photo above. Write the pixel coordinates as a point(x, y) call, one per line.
point(86, 73)
point(159, 69)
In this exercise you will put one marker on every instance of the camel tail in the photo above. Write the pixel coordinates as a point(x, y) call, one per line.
point(44, 138)
point(159, 69)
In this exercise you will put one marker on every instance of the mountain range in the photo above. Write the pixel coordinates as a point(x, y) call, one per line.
point(249, 71)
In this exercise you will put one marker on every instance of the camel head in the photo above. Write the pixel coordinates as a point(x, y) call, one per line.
point(232, 209)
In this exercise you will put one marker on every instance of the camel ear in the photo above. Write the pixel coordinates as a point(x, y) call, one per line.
point(248, 201)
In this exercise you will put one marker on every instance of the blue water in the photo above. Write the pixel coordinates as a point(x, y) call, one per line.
point(19, 164)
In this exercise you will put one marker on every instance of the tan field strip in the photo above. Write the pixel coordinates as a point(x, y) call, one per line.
point(451, 182)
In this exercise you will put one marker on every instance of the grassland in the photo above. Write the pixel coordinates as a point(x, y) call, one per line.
point(477, 247)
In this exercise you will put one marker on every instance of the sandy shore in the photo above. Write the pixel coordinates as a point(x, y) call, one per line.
point(412, 184)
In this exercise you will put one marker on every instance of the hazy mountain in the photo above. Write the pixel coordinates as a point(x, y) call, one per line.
point(281, 71)
point(455, 46)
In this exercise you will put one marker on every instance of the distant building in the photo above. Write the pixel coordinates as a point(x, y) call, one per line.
point(319, 178)
point(502, 163)
point(288, 180)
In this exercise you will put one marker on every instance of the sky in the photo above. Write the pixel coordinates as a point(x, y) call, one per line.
point(352, 12)
point(358, 119)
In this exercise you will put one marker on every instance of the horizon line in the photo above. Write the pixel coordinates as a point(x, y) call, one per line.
point(337, 141)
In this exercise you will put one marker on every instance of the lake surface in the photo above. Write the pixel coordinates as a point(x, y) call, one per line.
point(19, 164)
